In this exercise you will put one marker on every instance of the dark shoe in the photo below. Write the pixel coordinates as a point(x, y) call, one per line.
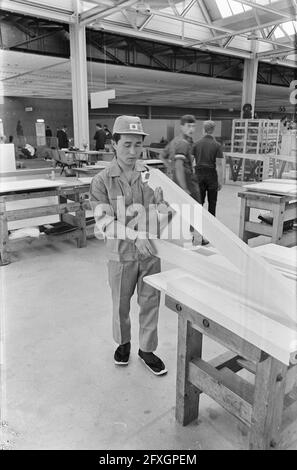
point(122, 354)
point(204, 242)
point(152, 362)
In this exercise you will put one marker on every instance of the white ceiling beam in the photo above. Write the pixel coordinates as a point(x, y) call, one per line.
point(205, 13)
point(229, 40)
point(96, 13)
point(275, 43)
point(238, 33)
point(271, 31)
point(188, 8)
point(188, 20)
point(126, 16)
point(258, 6)
point(112, 27)
point(287, 63)
point(173, 7)
point(39, 10)
point(146, 22)
point(276, 52)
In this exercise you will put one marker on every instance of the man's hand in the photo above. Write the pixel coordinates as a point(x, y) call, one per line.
point(144, 247)
point(158, 193)
point(220, 186)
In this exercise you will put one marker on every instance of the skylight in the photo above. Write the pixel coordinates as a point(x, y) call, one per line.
point(231, 7)
point(289, 28)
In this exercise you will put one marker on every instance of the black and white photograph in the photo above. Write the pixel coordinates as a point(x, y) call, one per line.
point(148, 228)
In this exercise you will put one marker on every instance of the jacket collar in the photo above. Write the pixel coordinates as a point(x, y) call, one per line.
point(115, 170)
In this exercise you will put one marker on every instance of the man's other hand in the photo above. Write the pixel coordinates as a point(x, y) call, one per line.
point(144, 247)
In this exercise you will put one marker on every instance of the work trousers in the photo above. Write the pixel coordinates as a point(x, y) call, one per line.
point(124, 276)
point(208, 184)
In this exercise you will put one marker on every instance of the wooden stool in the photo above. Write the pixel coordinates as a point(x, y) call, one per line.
point(282, 209)
point(260, 406)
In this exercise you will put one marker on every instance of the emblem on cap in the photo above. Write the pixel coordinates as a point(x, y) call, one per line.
point(134, 127)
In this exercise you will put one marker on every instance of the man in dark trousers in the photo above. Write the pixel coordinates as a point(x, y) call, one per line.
point(209, 166)
point(99, 137)
point(178, 159)
point(62, 136)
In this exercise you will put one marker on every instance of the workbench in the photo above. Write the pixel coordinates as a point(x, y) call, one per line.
point(282, 206)
point(69, 206)
point(236, 297)
point(204, 311)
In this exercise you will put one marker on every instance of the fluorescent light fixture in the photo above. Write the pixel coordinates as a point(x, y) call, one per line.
point(39, 120)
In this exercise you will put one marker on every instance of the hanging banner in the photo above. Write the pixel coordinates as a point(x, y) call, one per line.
point(100, 98)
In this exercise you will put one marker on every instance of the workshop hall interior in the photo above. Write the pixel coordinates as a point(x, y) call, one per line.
point(148, 225)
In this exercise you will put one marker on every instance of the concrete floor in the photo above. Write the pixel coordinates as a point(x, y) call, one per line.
point(60, 388)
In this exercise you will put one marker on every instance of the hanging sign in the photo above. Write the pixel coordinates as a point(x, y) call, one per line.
point(100, 98)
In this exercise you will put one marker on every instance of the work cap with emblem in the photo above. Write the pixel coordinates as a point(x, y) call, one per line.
point(128, 125)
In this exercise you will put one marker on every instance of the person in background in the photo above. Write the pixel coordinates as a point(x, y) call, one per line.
point(131, 255)
point(99, 137)
point(208, 156)
point(63, 141)
point(19, 129)
point(178, 160)
point(48, 135)
point(21, 141)
point(48, 132)
point(108, 137)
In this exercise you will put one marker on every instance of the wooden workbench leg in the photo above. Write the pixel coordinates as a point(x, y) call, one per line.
point(187, 395)
point(81, 221)
point(268, 404)
point(244, 217)
point(4, 254)
point(278, 213)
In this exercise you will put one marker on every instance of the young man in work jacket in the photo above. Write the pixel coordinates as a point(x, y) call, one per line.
point(131, 257)
point(209, 166)
point(178, 159)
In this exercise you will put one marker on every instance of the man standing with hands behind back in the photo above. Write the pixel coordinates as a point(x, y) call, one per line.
point(209, 166)
point(131, 257)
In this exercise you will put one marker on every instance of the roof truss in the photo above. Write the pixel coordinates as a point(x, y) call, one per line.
point(219, 35)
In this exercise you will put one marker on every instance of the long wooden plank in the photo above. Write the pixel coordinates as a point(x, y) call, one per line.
point(23, 185)
point(42, 211)
point(269, 335)
point(260, 279)
point(259, 228)
point(216, 269)
point(273, 188)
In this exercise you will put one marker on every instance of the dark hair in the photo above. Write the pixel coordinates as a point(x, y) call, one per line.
point(98, 124)
point(116, 137)
point(187, 118)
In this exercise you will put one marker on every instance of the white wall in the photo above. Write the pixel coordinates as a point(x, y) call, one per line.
point(156, 128)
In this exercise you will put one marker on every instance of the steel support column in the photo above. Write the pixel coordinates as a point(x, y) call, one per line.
point(249, 83)
point(79, 84)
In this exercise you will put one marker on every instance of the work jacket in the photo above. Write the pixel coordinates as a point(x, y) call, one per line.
point(112, 197)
